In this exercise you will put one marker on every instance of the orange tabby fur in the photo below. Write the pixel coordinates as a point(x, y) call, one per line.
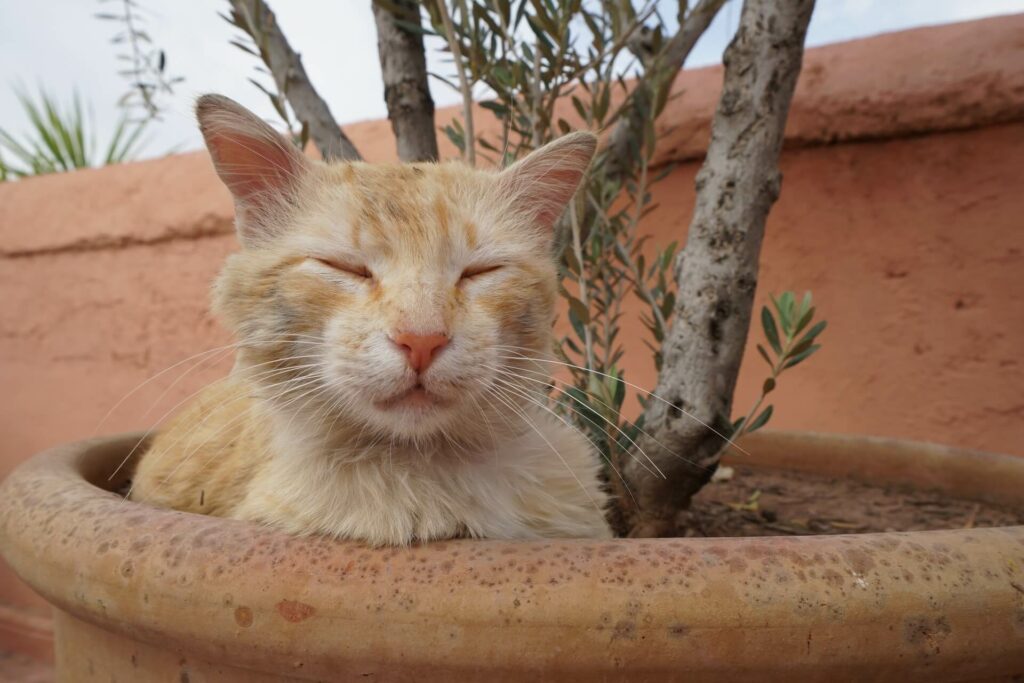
point(323, 426)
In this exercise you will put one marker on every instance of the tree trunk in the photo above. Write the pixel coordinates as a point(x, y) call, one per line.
point(257, 19)
point(403, 65)
point(716, 273)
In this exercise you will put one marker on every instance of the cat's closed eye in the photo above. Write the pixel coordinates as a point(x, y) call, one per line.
point(473, 272)
point(353, 269)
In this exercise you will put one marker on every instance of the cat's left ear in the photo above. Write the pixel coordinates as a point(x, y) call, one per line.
point(544, 182)
point(260, 167)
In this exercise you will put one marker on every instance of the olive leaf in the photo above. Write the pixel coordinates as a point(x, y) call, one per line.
point(790, 348)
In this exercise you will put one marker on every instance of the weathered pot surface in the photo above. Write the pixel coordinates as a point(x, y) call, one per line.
point(146, 594)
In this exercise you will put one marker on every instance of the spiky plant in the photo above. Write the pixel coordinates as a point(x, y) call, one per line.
point(63, 139)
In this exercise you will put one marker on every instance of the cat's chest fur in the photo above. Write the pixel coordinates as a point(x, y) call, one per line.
point(541, 484)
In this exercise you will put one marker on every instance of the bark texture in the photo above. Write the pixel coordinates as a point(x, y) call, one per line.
point(716, 272)
point(285, 65)
point(403, 66)
point(676, 50)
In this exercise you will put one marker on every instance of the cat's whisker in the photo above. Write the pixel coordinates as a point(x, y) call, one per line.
point(566, 422)
point(519, 356)
point(139, 386)
point(455, 447)
point(335, 405)
point(485, 416)
point(515, 409)
point(655, 471)
point(500, 413)
point(176, 406)
point(190, 434)
point(174, 383)
point(312, 393)
point(202, 360)
point(549, 383)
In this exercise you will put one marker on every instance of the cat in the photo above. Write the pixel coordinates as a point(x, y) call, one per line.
point(384, 316)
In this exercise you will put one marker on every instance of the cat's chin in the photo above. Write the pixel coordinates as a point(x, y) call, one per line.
point(415, 399)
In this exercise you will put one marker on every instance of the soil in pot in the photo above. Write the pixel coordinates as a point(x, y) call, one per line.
point(761, 502)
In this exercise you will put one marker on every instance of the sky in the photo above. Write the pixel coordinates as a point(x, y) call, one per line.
point(58, 44)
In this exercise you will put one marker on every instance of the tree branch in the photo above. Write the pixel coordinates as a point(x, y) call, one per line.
point(660, 73)
point(403, 65)
point(717, 271)
point(258, 20)
point(455, 45)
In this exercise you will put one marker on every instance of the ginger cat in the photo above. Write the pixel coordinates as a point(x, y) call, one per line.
point(383, 312)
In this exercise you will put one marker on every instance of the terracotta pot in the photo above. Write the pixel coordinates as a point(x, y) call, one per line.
point(143, 594)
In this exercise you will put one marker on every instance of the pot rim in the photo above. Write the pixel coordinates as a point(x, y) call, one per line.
point(870, 604)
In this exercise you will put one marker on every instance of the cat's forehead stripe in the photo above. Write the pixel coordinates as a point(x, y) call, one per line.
point(471, 233)
point(404, 207)
point(441, 213)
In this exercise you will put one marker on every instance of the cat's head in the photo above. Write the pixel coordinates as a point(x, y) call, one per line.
point(387, 296)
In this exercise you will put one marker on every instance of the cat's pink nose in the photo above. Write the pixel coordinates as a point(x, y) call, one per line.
point(420, 349)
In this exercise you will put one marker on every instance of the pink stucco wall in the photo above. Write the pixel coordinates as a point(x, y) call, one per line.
point(902, 209)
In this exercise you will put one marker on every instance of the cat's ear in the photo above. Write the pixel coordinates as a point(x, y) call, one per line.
point(543, 183)
point(260, 167)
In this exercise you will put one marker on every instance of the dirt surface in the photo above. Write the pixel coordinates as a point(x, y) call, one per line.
point(773, 503)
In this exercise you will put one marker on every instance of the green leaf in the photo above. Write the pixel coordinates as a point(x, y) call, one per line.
point(499, 109)
point(764, 354)
point(577, 324)
point(668, 304)
point(813, 332)
point(770, 331)
point(619, 391)
point(577, 308)
point(410, 27)
point(805, 317)
point(503, 75)
point(456, 138)
point(769, 385)
point(805, 305)
point(62, 138)
point(760, 420)
point(738, 425)
point(799, 348)
point(801, 357)
point(784, 306)
point(571, 263)
point(580, 402)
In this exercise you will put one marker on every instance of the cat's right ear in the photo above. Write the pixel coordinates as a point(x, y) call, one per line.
point(260, 167)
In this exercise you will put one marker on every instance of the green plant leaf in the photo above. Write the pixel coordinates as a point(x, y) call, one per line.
point(770, 331)
point(813, 332)
point(760, 420)
point(805, 318)
point(799, 348)
point(784, 307)
point(802, 356)
point(577, 308)
point(410, 27)
point(737, 426)
point(805, 305)
point(577, 324)
point(500, 110)
point(62, 139)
